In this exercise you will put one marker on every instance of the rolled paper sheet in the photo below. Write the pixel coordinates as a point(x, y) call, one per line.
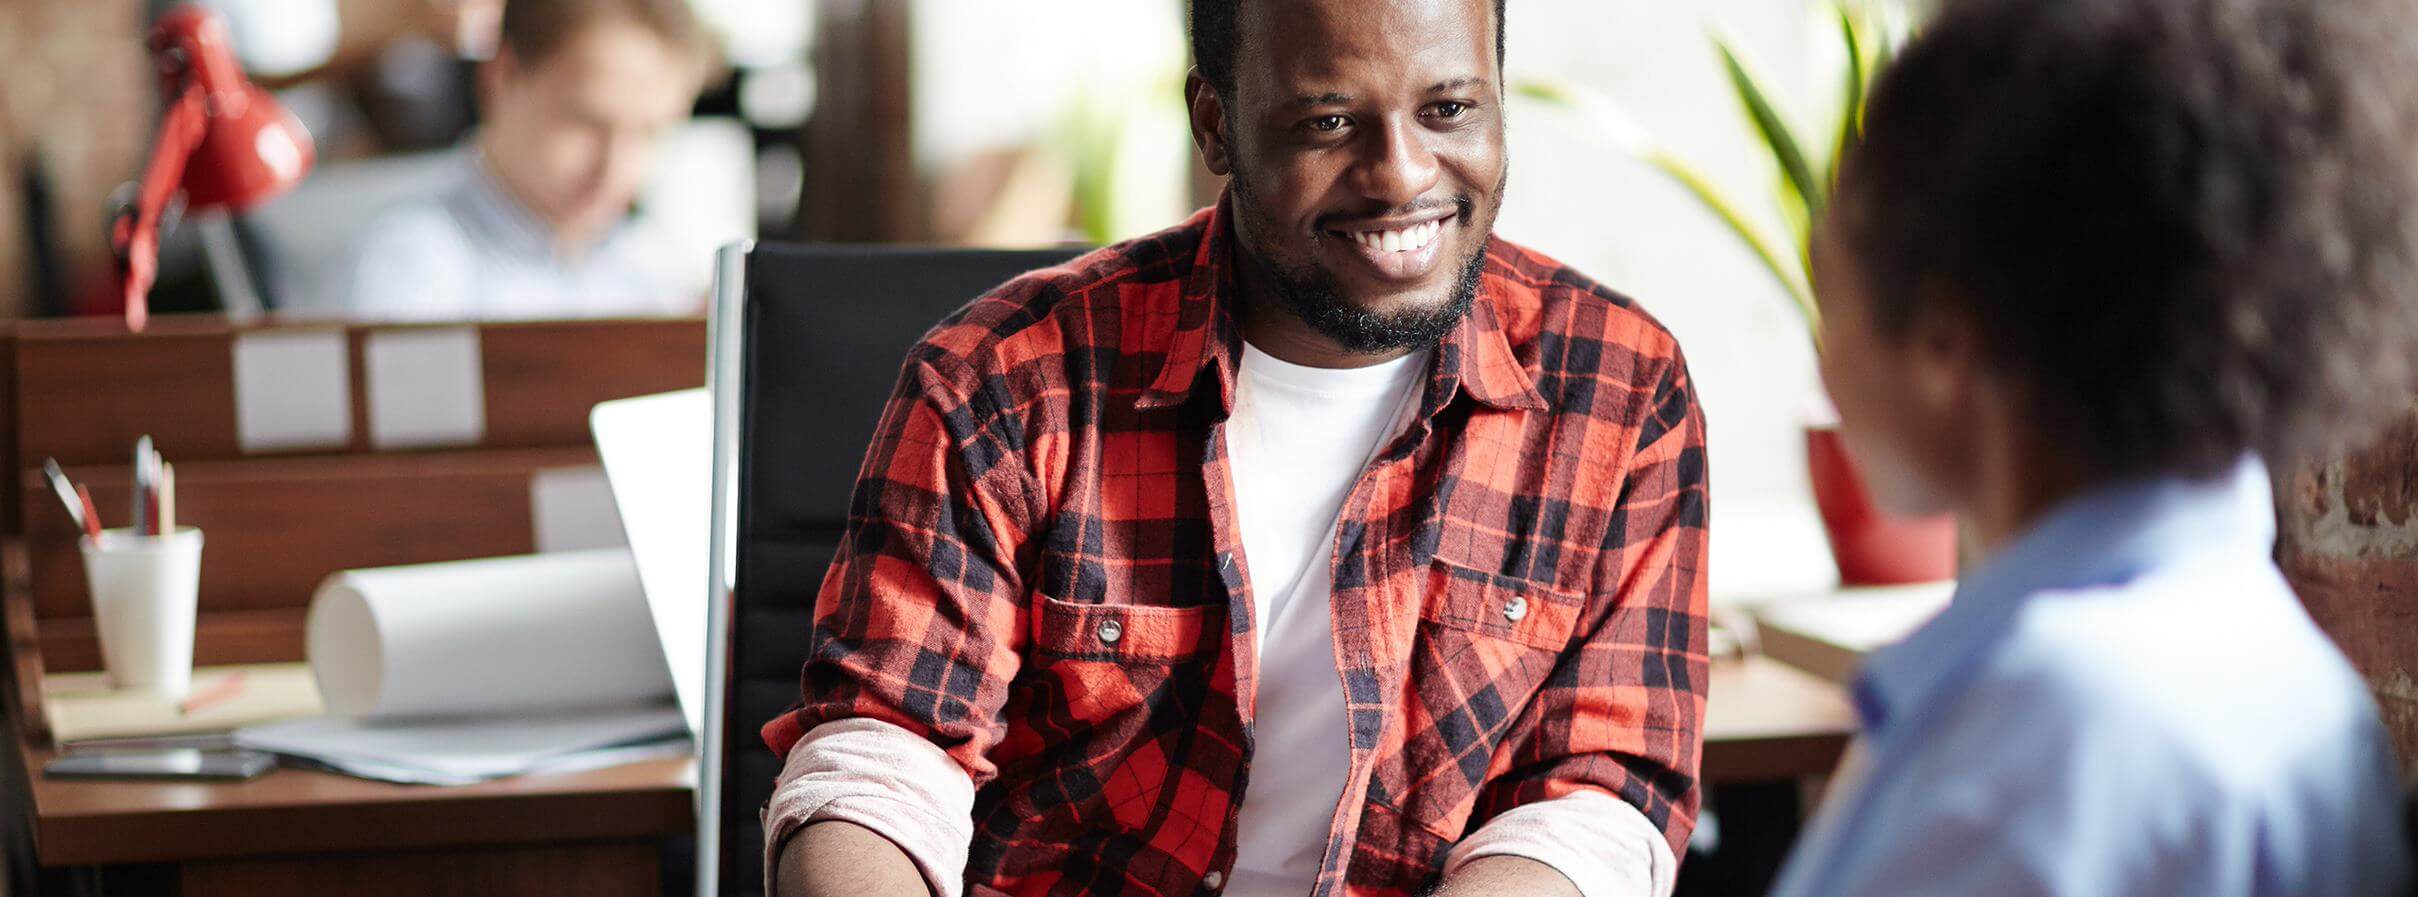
point(535, 634)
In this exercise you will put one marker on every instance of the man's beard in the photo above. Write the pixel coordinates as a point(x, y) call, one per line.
point(1312, 295)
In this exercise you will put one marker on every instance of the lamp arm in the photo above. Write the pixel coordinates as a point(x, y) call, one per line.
point(135, 233)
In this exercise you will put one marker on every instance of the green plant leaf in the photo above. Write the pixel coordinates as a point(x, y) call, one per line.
point(1894, 31)
point(1554, 91)
point(1851, 115)
point(1610, 121)
point(1775, 131)
point(1784, 263)
point(1796, 219)
point(1785, 266)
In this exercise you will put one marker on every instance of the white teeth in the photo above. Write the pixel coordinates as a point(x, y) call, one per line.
point(1409, 239)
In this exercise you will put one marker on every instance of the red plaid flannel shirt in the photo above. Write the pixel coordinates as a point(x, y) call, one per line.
point(1042, 575)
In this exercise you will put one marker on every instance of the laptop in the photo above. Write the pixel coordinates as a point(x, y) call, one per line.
point(658, 457)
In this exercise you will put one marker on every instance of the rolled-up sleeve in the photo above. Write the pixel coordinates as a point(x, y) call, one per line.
point(918, 629)
point(876, 775)
point(1604, 846)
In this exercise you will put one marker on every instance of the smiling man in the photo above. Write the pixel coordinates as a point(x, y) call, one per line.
point(1323, 544)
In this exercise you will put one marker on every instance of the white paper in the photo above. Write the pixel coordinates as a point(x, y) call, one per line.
point(426, 388)
point(293, 391)
point(572, 508)
point(538, 634)
point(658, 453)
point(454, 752)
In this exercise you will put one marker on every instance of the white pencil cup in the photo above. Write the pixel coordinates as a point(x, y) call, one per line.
point(145, 593)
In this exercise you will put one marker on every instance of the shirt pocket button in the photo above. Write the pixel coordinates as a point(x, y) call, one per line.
point(1213, 880)
point(1111, 631)
point(1516, 609)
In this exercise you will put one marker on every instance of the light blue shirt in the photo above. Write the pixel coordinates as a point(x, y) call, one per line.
point(2127, 701)
point(474, 252)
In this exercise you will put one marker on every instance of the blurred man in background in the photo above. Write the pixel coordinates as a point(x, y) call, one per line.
point(540, 222)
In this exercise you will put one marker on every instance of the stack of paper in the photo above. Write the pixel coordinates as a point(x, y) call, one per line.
point(460, 752)
point(462, 672)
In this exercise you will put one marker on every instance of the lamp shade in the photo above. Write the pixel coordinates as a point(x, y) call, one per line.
point(251, 148)
point(249, 157)
point(224, 143)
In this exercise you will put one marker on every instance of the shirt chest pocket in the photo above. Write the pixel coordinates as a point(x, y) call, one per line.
point(1486, 646)
point(1111, 664)
point(1488, 605)
point(1119, 690)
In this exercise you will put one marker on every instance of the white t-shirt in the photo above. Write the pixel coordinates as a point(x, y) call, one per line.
point(1299, 439)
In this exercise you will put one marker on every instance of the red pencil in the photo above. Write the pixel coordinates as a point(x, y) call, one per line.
point(224, 691)
point(92, 514)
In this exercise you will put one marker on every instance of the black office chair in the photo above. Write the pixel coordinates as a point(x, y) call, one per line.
point(808, 344)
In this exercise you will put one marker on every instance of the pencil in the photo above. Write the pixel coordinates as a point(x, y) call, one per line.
point(224, 691)
point(92, 515)
point(167, 499)
point(142, 486)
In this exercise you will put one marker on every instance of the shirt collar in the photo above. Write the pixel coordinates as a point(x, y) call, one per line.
point(1476, 357)
point(2107, 536)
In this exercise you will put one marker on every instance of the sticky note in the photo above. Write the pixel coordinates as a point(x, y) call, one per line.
point(426, 388)
point(293, 391)
point(573, 510)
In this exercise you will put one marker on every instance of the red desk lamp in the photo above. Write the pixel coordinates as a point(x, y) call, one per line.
point(224, 142)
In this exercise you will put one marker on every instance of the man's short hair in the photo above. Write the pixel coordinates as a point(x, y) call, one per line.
point(534, 29)
point(1215, 40)
point(2187, 229)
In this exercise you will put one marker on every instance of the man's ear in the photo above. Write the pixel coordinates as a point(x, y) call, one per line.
point(1944, 352)
point(1209, 133)
point(493, 73)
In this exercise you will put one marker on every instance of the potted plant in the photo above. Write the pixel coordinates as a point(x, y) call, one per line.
point(1870, 547)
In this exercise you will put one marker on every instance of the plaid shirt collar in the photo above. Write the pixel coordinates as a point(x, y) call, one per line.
point(1475, 358)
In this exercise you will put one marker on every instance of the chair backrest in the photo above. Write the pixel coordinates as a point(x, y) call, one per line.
point(808, 346)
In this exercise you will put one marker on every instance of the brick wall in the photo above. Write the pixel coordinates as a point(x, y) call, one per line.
point(2350, 546)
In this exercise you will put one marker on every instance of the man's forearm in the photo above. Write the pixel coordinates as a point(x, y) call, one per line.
point(1506, 876)
point(840, 859)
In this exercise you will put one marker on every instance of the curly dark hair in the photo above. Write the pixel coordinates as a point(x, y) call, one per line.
point(1215, 41)
point(2187, 229)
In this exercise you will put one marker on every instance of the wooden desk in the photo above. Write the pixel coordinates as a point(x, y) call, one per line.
point(599, 832)
point(280, 518)
point(1773, 732)
point(1766, 721)
point(298, 832)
